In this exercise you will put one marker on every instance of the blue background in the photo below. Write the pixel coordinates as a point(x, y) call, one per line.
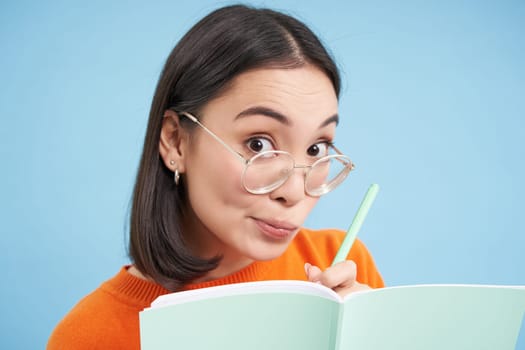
point(432, 109)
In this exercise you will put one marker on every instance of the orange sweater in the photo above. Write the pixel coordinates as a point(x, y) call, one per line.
point(108, 318)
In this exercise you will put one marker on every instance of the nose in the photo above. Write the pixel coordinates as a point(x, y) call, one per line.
point(292, 190)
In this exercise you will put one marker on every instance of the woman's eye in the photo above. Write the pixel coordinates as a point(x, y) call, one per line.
point(318, 150)
point(259, 144)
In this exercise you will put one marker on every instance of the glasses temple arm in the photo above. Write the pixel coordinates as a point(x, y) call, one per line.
point(212, 134)
point(352, 165)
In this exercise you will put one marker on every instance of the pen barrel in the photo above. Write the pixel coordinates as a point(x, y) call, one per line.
point(357, 222)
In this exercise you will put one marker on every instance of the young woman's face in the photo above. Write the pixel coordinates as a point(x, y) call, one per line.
point(267, 109)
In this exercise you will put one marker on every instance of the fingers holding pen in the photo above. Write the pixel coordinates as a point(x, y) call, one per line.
point(341, 274)
point(340, 277)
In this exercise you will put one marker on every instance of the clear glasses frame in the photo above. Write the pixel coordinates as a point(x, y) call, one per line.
point(318, 191)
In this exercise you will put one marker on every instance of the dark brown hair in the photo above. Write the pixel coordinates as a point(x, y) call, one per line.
point(224, 44)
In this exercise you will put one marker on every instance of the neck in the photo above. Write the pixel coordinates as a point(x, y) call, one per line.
point(227, 266)
point(135, 272)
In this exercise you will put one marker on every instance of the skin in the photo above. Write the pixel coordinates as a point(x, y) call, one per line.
point(294, 110)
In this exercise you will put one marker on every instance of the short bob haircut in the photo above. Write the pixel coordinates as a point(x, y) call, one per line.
point(227, 42)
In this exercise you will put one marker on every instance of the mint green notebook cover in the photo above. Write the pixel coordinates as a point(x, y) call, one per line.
point(434, 317)
point(408, 318)
point(256, 321)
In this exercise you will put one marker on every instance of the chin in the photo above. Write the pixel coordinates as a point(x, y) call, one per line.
point(267, 253)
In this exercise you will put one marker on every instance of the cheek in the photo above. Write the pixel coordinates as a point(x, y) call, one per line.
point(215, 180)
point(309, 204)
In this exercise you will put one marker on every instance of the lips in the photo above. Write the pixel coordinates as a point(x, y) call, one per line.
point(275, 229)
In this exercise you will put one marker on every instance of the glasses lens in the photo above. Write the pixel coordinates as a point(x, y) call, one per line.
point(326, 174)
point(266, 171)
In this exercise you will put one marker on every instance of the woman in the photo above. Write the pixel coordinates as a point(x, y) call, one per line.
point(238, 149)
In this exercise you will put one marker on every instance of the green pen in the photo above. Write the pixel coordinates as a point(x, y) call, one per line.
point(359, 218)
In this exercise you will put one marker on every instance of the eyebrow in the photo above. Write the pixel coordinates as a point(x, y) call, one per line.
point(259, 110)
point(332, 119)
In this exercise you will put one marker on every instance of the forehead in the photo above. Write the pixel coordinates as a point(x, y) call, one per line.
point(299, 92)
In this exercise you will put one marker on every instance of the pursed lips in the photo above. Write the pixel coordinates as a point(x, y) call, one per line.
point(278, 224)
point(276, 229)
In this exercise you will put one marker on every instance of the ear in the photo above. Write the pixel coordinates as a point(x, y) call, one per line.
point(173, 144)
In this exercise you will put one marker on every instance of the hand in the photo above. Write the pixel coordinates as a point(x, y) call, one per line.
point(340, 277)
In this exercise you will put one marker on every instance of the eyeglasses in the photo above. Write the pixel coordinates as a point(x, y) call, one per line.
point(268, 170)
